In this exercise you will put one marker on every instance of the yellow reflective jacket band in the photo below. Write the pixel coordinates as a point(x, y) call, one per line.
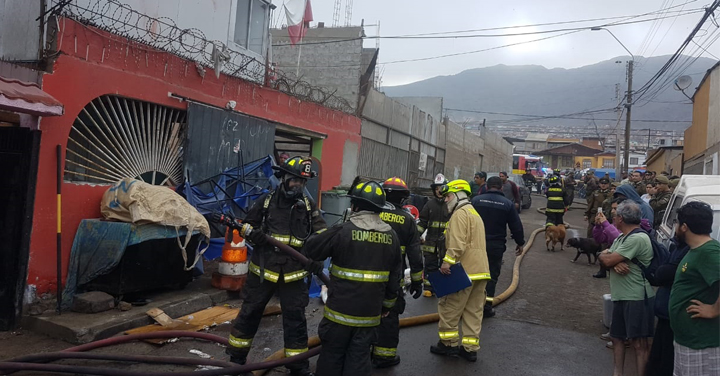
point(420, 229)
point(388, 352)
point(427, 248)
point(555, 189)
point(449, 260)
point(479, 276)
point(416, 277)
point(269, 274)
point(449, 335)
point(274, 277)
point(437, 224)
point(348, 320)
point(402, 248)
point(472, 341)
point(288, 239)
point(489, 299)
point(359, 275)
point(295, 276)
point(554, 210)
point(389, 303)
point(555, 198)
point(293, 352)
point(239, 342)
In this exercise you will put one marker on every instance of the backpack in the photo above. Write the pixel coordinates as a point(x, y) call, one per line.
point(660, 256)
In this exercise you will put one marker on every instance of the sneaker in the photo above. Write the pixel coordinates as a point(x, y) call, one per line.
point(428, 294)
point(442, 349)
point(382, 362)
point(470, 356)
point(609, 345)
point(605, 336)
point(600, 275)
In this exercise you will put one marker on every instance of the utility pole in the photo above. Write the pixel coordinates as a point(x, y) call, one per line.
point(628, 117)
point(618, 169)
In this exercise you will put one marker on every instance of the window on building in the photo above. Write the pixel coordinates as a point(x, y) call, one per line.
point(251, 24)
point(608, 163)
point(633, 161)
point(567, 161)
point(662, 142)
point(587, 163)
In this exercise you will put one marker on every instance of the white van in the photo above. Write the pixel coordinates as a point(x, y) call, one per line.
point(705, 188)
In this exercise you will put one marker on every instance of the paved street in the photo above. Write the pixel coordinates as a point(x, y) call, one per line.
point(550, 326)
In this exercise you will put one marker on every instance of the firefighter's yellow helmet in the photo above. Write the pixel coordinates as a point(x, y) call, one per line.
point(456, 186)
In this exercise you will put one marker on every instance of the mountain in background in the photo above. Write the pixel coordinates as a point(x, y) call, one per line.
point(536, 90)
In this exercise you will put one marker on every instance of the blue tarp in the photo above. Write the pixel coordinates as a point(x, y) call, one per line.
point(100, 245)
point(246, 182)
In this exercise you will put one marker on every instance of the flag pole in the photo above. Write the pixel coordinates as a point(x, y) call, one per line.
point(302, 28)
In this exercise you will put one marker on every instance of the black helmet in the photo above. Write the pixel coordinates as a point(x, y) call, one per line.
point(297, 166)
point(369, 192)
point(554, 179)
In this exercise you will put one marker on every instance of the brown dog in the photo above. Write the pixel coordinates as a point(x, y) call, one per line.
point(555, 234)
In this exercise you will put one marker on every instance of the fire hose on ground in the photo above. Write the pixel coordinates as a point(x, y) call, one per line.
point(39, 362)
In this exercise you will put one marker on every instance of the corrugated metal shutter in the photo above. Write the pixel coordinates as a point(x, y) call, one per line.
point(380, 161)
point(219, 139)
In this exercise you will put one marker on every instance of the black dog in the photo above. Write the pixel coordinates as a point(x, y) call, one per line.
point(588, 246)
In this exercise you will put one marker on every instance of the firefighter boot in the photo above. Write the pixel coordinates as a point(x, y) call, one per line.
point(442, 349)
point(385, 362)
point(470, 356)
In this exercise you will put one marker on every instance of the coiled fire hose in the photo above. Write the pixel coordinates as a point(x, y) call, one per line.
point(38, 362)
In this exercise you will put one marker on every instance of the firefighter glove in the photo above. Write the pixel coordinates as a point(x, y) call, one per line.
point(314, 267)
point(416, 289)
point(257, 237)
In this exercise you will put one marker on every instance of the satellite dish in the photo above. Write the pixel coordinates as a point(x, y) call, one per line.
point(682, 83)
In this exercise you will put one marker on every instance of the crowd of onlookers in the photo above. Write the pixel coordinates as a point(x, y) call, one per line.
point(666, 302)
point(674, 329)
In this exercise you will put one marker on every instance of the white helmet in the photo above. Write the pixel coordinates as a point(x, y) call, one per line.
point(439, 180)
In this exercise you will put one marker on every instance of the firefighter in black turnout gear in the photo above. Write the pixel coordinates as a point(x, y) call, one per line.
point(366, 267)
point(556, 195)
point(498, 214)
point(433, 218)
point(385, 349)
point(287, 215)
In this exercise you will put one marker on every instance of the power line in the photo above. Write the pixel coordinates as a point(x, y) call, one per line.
point(566, 116)
point(644, 89)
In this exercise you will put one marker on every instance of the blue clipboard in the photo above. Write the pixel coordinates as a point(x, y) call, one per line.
point(450, 284)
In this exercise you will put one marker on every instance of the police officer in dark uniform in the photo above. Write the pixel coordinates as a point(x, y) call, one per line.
point(557, 196)
point(385, 350)
point(289, 216)
point(498, 213)
point(366, 265)
point(595, 201)
point(433, 218)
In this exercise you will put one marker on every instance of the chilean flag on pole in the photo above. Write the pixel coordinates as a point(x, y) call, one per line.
point(299, 15)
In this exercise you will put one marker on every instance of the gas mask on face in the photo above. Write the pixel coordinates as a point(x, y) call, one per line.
point(292, 191)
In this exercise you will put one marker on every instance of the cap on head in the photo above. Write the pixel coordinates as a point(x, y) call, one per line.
point(674, 183)
point(604, 181)
point(660, 179)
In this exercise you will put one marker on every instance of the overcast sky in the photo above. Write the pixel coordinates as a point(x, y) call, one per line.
point(398, 17)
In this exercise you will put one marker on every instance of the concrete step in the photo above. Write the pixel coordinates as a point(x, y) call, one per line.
point(78, 328)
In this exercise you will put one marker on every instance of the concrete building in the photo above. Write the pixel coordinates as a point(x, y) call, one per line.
point(665, 158)
point(577, 156)
point(702, 138)
point(328, 57)
point(534, 142)
point(206, 97)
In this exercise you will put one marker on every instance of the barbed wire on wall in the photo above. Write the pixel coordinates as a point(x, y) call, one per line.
point(303, 90)
point(163, 33)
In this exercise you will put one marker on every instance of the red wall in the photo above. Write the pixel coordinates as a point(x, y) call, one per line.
point(114, 66)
